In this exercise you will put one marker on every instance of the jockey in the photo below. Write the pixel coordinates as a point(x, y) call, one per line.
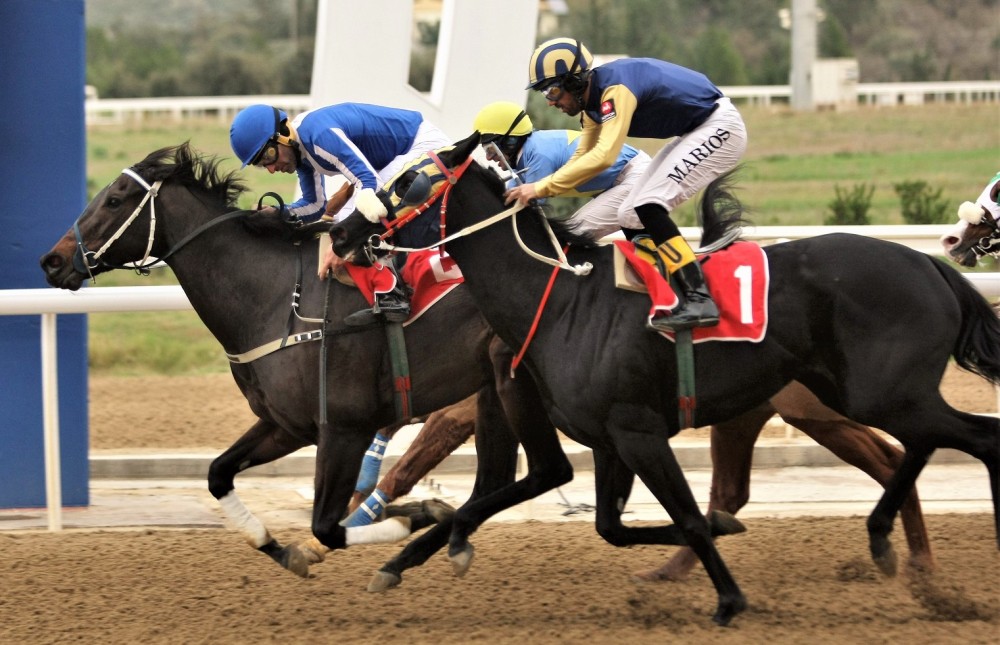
point(535, 154)
point(648, 98)
point(363, 144)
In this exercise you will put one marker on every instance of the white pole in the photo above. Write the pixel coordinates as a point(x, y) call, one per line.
point(50, 406)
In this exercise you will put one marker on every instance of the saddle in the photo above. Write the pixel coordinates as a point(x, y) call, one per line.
point(736, 274)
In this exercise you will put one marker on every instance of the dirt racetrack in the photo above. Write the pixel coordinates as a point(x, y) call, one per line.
point(807, 580)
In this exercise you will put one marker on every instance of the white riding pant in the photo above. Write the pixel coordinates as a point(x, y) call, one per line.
point(689, 163)
point(599, 216)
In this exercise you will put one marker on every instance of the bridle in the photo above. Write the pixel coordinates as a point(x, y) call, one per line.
point(378, 242)
point(85, 260)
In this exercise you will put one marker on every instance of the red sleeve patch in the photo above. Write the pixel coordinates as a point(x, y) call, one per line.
point(608, 110)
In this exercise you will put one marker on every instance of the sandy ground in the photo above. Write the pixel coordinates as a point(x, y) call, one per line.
point(807, 579)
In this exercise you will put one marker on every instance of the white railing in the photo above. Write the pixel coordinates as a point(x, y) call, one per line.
point(50, 302)
point(117, 111)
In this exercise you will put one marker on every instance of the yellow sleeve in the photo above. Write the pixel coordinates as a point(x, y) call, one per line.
point(600, 145)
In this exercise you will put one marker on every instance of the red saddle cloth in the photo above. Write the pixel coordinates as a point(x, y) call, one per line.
point(430, 275)
point(737, 278)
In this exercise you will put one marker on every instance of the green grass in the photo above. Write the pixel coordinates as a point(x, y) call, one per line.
point(793, 162)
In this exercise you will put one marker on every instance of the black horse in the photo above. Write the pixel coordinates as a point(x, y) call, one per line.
point(249, 291)
point(252, 291)
point(867, 325)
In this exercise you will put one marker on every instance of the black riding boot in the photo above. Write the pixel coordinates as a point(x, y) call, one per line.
point(393, 306)
point(696, 308)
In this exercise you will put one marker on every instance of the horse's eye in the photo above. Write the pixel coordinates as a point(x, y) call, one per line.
point(113, 202)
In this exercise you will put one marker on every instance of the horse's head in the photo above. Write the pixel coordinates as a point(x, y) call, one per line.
point(120, 225)
point(424, 182)
point(977, 233)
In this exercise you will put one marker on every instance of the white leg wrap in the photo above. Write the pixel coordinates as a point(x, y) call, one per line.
point(243, 520)
point(391, 530)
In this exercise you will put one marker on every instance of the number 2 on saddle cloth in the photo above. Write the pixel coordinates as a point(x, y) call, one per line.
point(737, 277)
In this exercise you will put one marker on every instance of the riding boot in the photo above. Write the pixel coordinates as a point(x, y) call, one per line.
point(695, 307)
point(393, 306)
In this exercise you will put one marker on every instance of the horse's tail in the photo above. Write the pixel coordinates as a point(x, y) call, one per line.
point(977, 348)
point(719, 210)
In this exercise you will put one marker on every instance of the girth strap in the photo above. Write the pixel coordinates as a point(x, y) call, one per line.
point(686, 401)
point(400, 369)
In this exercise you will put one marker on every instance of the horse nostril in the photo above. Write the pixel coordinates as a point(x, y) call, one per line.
point(52, 261)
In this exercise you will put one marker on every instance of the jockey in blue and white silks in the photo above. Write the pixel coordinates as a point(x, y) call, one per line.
point(367, 144)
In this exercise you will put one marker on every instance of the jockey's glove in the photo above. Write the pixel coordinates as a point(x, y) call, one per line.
point(370, 205)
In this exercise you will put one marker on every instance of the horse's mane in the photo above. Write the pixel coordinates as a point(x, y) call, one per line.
point(719, 210)
point(183, 164)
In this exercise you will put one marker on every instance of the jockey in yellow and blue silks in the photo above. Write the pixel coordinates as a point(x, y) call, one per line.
point(535, 154)
point(648, 98)
point(364, 144)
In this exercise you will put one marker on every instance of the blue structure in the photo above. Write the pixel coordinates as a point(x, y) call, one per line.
point(43, 184)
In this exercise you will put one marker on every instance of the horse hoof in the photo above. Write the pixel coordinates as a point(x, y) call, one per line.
point(293, 560)
point(723, 523)
point(462, 560)
point(439, 510)
point(313, 550)
point(726, 611)
point(883, 554)
point(383, 580)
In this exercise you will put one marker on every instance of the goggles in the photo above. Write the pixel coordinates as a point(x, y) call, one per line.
point(552, 93)
point(267, 155)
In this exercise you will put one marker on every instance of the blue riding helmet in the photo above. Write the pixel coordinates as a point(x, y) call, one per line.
point(252, 128)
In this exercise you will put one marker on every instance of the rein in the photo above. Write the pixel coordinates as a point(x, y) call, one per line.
point(380, 243)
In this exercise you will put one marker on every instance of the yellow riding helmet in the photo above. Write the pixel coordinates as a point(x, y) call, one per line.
point(504, 119)
point(556, 58)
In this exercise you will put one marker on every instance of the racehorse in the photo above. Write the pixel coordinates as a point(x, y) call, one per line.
point(977, 233)
point(871, 344)
point(249, 291)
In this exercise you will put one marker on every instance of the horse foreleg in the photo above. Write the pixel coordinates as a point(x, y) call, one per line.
point(548, 466)
point(613, 482)
point(262, 443)
point(372, 463)
point(731, 446)
point(497, 451)
point(650, 457)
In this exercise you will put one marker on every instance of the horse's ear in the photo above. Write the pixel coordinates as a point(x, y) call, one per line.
point(461, 151)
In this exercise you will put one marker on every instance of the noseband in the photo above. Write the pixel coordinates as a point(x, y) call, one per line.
point(85, 260)
point(990, 244)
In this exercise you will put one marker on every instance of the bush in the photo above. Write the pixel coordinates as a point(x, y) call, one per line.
point(850, 207)
point(921, 205)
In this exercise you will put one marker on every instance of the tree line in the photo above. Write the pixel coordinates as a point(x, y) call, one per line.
point(234, 47)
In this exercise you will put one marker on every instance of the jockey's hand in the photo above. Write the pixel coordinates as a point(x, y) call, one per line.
point(521, 194)
point(330, 263)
